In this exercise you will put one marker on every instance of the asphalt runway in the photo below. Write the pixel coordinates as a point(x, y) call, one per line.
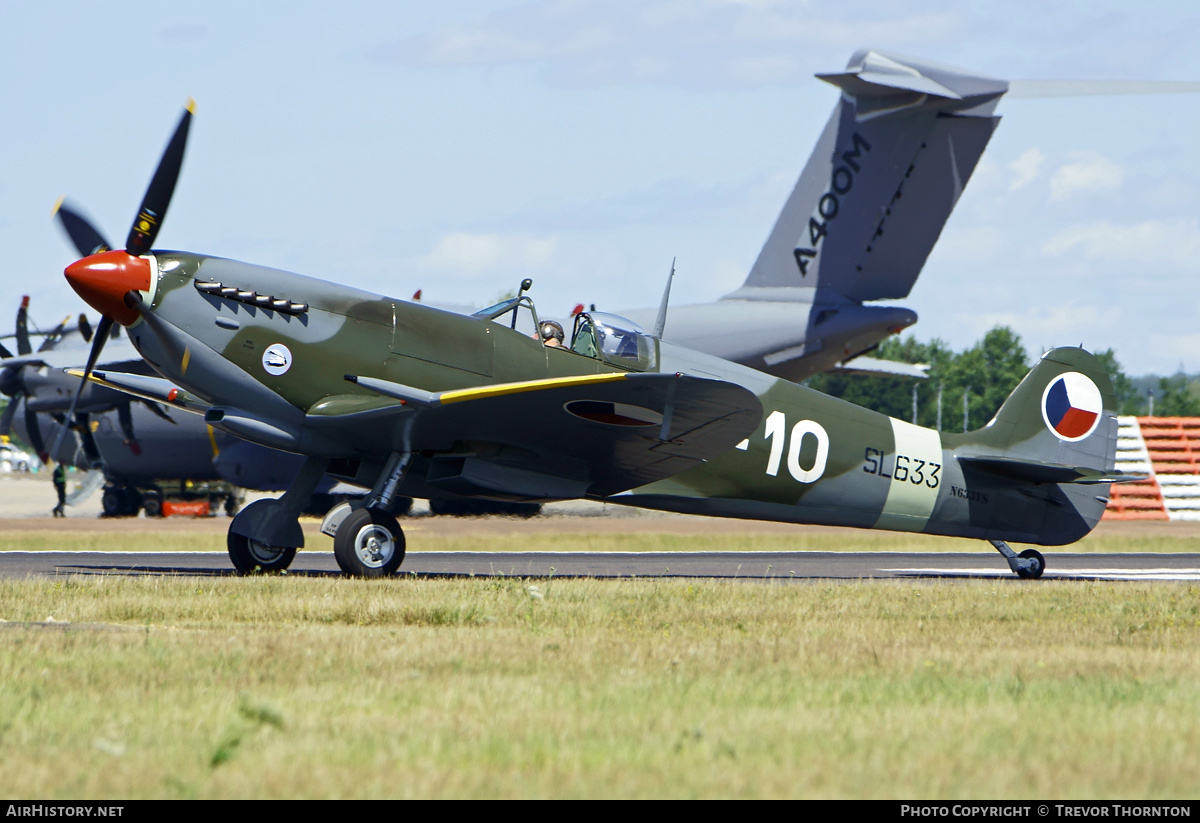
point(24, 503)
point(750, 566)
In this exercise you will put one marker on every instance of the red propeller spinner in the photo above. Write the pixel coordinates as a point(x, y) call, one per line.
point(102, 280)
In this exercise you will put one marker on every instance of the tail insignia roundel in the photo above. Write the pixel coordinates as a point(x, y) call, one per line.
point(1071, 406)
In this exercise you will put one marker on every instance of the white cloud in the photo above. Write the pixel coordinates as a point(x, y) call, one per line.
point(1056, 324)
point(1026, 168)
point(974, 245)
point(697, 45)
point(468, 253)
point(1090, 172)
point(1151, 242)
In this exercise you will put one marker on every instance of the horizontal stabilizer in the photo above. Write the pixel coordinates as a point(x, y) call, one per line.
point(878, 76)
point(1033, 471)
point(883, 368)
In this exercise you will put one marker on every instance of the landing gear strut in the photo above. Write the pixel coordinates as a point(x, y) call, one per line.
point(367, 538)
point(1027, 565)
point(264, 536)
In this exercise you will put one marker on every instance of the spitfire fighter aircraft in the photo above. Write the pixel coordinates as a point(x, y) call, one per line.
point(410, 400)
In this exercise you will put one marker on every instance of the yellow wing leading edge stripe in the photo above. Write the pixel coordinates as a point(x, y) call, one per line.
point(499, 389)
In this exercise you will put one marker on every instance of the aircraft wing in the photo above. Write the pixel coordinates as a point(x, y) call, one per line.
point(557, 438)
point(116, 352)
point(540, 439)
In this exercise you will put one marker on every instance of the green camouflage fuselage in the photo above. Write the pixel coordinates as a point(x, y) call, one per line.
point(811, 459)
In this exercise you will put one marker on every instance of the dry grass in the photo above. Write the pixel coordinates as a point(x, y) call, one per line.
point(316, 687)
point(601, 535)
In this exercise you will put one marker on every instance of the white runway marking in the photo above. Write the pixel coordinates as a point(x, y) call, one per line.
point(1106, 574)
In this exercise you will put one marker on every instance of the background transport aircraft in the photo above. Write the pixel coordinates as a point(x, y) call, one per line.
point(407, 399)
point(871, 202)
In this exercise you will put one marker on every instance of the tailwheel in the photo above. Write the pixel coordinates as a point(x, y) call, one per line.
point(251, 556)
point(1036, 564)
point(369, 543)
point(1028, 565)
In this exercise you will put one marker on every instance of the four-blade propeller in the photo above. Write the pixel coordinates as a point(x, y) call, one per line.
point(103, 276)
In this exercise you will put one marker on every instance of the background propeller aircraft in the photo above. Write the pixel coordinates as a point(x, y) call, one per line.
point(141, 451)
point(407, 399)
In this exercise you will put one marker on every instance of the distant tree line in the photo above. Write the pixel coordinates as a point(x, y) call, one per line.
point(985, 374)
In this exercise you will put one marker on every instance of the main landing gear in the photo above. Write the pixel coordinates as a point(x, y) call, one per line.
point(367, 538)
point(369, 543)
point(1027, 565)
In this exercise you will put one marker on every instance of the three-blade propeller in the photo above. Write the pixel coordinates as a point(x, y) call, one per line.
point(89, 242)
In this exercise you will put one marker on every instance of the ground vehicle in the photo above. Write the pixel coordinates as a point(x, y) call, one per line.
point(13, 459)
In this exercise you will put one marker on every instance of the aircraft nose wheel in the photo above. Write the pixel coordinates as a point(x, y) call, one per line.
point(369, 543)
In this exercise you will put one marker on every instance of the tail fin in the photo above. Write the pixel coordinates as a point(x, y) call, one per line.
point(1049, 452)
point(882, 180)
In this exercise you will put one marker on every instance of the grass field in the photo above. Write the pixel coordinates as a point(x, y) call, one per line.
point(573, 534)
point(116, 687)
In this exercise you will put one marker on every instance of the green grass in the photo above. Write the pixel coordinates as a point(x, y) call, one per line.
point(327, 688)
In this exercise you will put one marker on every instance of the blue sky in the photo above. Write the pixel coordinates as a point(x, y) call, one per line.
point(457, 148)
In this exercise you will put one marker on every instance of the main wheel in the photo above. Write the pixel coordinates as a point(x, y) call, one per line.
point(1039, 564)
point(254, 557)
point(112, 502)
point(369, 543)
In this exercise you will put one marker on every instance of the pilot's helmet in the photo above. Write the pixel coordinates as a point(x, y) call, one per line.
point(551, 328)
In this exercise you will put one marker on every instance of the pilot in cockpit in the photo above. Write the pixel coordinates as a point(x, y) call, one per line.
point(552, 334)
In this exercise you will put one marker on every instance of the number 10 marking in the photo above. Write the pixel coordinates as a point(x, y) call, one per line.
point(776, 428)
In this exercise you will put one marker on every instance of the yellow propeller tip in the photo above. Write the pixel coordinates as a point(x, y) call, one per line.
point(191, 105)
point(57, 205)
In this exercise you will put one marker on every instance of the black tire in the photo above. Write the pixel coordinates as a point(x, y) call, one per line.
point(232, 504)
point(152, 503)
point(369, 543)
point(252, 557)
point(112, 502)
point(1039, 565)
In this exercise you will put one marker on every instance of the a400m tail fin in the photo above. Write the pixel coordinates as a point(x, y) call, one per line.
point(882, 181)
point(1048, 455)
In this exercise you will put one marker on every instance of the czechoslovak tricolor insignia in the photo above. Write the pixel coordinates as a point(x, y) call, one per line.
point(1071, 406)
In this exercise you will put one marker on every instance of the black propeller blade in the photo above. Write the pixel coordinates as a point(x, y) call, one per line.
point(34, 430)
point(141, 238)
point(98, 340)
point(162, 186)
point(159, 410)
point(4, 352)
point(83, 426)
point(125, 418)
point(84, 236)
point(85, 328)
point(51, 339)
point(23, 346)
